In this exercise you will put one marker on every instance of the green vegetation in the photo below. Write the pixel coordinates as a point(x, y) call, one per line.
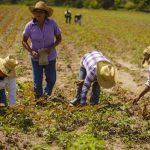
point(76, 128)
point(142, 5)
point(111, 124)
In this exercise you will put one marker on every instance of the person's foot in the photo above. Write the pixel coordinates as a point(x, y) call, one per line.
point(41, 103)
point(83, 104)
point(75, 101)
point(92, 104)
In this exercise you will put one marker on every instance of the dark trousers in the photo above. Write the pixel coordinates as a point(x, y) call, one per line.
point(68, 20)
point(50, 74)
point(3, 97)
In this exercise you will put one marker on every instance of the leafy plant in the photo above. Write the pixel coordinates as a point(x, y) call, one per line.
point(87, 142)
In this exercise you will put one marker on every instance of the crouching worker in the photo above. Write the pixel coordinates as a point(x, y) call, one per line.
point(96, 69)
point(7, 80)
point(146, 62)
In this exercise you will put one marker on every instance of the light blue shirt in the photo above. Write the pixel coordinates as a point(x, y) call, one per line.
point(9, 84)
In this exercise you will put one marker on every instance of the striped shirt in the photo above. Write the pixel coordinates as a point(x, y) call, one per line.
point(89, 62)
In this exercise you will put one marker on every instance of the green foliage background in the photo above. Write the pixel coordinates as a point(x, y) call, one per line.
point(142, 5)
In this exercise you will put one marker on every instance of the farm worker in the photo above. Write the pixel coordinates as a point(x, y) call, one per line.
point(45, 35)
point(96, 69)
point(7, 80)
point(68, 16)
point(146, 62)
point(78, 18)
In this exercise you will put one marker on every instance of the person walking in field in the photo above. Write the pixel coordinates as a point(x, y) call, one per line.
point(97, 69)
point(8, 80)
point(78, 19)
point(68, 16)
point(45, 35)
point(146, 62)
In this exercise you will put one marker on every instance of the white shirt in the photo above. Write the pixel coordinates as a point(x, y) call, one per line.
point(9, 84)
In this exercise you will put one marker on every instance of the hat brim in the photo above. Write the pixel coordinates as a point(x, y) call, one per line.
point(4, 71)
point(102, 82)
point(47, 9)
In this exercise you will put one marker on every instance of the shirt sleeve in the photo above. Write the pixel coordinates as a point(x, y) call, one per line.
point(12, 91)
point(148, 81)
point(2, 84)
point(57, 30)
point(27, 30)
point(87, 83)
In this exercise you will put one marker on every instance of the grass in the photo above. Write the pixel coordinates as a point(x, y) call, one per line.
point(120, 33)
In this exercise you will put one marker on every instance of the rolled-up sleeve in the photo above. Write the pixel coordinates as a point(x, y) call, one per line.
point(26, 31)
point(57, 30)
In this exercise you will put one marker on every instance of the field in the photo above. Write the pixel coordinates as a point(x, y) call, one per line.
point(114, 124)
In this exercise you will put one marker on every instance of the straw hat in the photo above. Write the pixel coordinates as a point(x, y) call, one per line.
point(106, 74)
point(42, 6)
point(7, 66)
point(146, 54)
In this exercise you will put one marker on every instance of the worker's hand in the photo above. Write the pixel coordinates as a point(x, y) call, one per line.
point(80, 83)
point(135, 100)
point(34, 54)
point(48, 50)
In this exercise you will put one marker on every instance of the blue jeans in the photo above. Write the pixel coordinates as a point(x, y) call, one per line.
point(95, 88)
point(50, 74)
point(3, 97)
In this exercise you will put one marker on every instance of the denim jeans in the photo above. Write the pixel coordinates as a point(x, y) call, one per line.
point(3, 97)
point(50, 77)
point(95, 88)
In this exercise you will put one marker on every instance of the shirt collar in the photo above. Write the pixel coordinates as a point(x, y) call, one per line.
point(45, 22)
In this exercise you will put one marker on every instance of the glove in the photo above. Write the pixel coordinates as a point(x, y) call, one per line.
point(43, 56)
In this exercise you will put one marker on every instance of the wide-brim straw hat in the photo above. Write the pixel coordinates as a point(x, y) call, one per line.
point(42, 6)
point(146, 54)
point(106, 74)
point(7, 66)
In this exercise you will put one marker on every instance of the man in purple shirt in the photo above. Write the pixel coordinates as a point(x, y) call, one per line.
point(45, 35)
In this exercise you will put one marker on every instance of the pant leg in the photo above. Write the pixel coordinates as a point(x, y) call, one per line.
point(3, 97)
point(37, 78)
point(50, 73)
point(82, 75)
point(95, 93)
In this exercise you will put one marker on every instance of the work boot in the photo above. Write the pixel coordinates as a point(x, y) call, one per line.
point(75, 101)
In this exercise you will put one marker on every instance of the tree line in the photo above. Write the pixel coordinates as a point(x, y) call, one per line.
point(142, 5)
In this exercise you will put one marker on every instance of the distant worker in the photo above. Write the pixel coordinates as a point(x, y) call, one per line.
point(78, 18)
point(68, 16)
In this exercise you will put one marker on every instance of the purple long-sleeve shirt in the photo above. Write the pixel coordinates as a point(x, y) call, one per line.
point(42, 39)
